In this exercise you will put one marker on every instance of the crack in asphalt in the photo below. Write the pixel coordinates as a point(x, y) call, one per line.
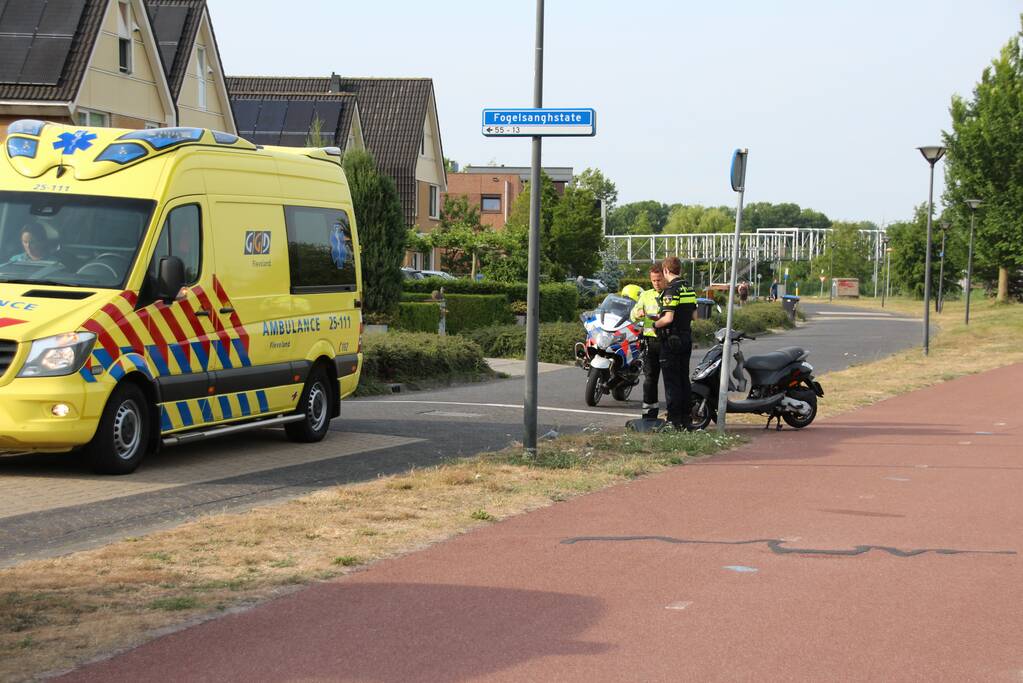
point(777, 546)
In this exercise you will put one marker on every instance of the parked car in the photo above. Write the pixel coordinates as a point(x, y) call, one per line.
point(438, 273)
point(412, 274)
point(587, 285)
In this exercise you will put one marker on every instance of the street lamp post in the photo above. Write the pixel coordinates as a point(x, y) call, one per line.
point(888, 267)
point(932, 154)
point(941, 271)
point(974, 204)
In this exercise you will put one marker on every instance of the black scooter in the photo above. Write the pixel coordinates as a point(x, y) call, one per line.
point(783, 385)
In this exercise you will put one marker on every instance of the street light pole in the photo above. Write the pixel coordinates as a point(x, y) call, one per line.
point(887, 269)
point(941, 271)
point(932, 154)
point(533, 287)
point(974, 204)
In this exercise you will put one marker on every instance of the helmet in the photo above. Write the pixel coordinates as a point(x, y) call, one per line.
point(632, 291)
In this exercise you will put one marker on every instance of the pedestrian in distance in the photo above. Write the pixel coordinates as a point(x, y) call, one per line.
point(743, 293)
point(646, 311)
point(674, 327)
point(774, 290)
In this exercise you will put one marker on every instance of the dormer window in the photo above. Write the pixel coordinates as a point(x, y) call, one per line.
point(124, 40)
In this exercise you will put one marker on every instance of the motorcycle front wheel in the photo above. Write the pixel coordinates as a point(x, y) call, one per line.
point(700, 412)
point(594, 386)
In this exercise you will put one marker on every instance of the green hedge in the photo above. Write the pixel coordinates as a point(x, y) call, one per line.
point(417, 317)
point(557, 341)
point(558, 301)
point(418, 356)
point(468, 312)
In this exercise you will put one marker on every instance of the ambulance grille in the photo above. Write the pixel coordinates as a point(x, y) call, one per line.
point(7, 351)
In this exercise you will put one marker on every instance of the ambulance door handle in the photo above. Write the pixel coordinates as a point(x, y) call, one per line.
point(203, 312)
point(226, 310)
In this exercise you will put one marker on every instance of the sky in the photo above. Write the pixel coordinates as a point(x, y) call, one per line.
point(831, 97)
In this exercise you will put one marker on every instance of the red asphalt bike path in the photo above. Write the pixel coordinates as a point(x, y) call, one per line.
point(830, 553)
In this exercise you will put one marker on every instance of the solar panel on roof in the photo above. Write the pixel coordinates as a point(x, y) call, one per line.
point(21, 16)
point(167, 52)
point(61, 17)
point(169, 23)
point(299, 117)
point(266, 138)
point(271, 117)
point(329, 113)
point(45, 60)
point(246, 112)
point(13, 52)
point(293, 140)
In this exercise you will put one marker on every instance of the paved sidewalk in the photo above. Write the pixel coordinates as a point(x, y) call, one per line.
point(882, 545)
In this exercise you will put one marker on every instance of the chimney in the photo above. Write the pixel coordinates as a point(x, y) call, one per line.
point(335, 83)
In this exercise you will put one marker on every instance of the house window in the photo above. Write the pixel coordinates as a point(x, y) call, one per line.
point(434, 201)
point(200, 60)
point(124, 41)
point(491, 204)
point(84, 117)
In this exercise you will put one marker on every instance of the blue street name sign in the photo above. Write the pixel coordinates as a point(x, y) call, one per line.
point(519, 123)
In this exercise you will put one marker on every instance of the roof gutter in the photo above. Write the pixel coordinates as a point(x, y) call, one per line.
point(24, 107)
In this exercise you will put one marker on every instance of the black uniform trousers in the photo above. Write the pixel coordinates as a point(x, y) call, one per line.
point(675, 353)
point(651, 376)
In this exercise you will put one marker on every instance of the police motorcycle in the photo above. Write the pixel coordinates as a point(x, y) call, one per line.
point(782, 384)
point(612, 354)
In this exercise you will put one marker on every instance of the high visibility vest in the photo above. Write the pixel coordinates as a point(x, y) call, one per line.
point(650, 304)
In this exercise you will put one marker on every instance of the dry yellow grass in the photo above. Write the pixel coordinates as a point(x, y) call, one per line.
point(58, 613)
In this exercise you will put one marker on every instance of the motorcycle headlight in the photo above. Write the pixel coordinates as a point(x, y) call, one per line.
point(60, 355)
point(604, 340)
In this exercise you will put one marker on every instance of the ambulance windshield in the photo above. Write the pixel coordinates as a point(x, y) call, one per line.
point(70, 240)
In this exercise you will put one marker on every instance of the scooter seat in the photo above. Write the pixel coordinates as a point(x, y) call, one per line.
point(775, 360)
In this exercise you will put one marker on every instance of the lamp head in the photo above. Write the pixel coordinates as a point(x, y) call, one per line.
point(945, 225)
point(974, 204)
point(932, 153)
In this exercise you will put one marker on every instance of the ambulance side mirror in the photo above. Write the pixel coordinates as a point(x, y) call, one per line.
point(170, 278)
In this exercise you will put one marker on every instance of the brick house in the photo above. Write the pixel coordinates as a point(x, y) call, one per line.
point(494, 189)
point(119, 63)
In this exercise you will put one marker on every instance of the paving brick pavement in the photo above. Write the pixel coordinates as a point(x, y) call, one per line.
point(881, 545)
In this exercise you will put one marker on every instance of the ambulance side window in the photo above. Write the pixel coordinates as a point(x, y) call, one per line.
point(320, 250)
point(181, 236)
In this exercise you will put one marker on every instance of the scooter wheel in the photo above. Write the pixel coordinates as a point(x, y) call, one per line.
point(700, 412)
point(798, 421)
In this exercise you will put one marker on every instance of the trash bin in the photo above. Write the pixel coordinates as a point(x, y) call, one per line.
point(704, 307)
point(789, 302)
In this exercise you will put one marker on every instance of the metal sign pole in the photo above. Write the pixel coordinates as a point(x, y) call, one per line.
point(533, 292)
point(739, 185)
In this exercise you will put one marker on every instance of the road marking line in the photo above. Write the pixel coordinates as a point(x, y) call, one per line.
point(741, 569)
point(502, 405)
point(679, 605)
point(850, 313)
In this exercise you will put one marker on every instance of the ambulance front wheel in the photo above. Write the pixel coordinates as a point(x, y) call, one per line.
point(315, 406)
point(122, 437)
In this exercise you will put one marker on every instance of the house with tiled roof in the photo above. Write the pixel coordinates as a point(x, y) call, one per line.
point(397, 119)
point(118, 63)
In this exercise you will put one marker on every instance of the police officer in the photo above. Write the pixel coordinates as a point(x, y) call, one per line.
point(674, 326)
point(646, 310)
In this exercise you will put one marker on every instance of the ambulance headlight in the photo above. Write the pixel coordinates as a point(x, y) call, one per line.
point(63, 354)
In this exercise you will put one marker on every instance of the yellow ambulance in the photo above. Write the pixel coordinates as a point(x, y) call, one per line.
point(159, 286)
